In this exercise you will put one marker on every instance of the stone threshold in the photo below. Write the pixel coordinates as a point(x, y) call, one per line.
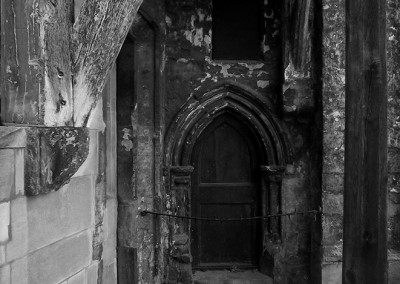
point(231, 277)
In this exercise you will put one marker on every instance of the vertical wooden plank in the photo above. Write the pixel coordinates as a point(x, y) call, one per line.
point(19, 85)
point(36, 67)
point(364, 250)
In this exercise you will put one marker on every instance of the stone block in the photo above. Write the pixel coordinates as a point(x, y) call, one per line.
point(110, 274)
point(2, 255)
point(294, 193)
point(18, 245)
point(110, 229)
point(332, 230)
point(393, 160)
point(332, 203)
point(91, 164)
point(298, 97)
point(7, 173)
point(127, 265)
point(46, 219)
point(333, 183)
point(127, 228)
point(5, 274)
point(92, 272)
point(181, 239)
point(4, 221)
point(79, 278)
point(333, 253)
point(19, 171)
point(333, 162)
point(332, 273)
point(394, 272)
point(19, 271)
point(54, 263)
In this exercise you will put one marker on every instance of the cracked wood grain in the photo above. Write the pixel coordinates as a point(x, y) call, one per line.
point(98, 35)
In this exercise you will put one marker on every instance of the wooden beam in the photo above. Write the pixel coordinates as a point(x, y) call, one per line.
point(98, 35)
point(365, 249)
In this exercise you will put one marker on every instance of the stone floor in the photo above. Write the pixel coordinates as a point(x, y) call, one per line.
point(229, 277)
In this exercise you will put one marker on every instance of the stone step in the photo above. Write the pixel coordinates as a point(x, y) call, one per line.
point(230, 277)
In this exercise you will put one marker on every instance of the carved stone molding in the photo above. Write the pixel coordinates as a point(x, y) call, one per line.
point(52, 154)
point(180, 258)
point(272, 176)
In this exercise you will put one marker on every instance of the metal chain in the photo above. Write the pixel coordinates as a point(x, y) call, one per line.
point(313, 212)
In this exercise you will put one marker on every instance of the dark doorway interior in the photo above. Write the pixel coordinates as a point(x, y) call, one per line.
point(225, 185)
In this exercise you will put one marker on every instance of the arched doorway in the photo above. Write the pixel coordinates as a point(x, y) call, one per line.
point(226, 184)
point(212, 128)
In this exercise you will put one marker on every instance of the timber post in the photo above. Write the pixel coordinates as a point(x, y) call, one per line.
point(365, 248)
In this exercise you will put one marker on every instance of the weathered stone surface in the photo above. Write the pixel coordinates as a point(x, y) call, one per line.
point(127, 235)
point(181, 239)
point(91, 273)
point(298, 97)
point(5, 274)
point(7, 173)
point(12, 137)
point(332, 273)
point(333, 93)
point(110, 227)
point(79, 278)
point(4, 221)
point(332, 226)
point(68, 256)
point(2, 255)
point(19, 171)
point(18, 245)
point(332, 203)
point(37, 222)
point(91, 164)
point(333, 183)
point(394, 272)
point(333, 253)
point(110, 274)
point(127, 265)
point(47, 157)
point(394, 231)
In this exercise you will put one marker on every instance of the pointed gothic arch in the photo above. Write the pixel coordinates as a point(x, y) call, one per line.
point(256, 111)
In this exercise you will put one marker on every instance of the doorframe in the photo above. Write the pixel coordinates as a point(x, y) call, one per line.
point(193, 118)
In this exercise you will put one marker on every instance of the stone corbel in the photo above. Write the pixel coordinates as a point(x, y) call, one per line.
point(52, 154)
point(180, 183)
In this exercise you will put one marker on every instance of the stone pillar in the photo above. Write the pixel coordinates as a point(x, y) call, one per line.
point(272, 227)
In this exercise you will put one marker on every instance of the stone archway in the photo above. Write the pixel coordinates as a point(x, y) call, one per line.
point(195, 116)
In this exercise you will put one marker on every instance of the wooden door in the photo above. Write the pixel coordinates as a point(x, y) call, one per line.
point(224, 185)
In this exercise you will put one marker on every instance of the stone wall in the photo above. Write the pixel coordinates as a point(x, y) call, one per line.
point(393, 77)
point(191, 72)
point(333, 77)
point(46, 238)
